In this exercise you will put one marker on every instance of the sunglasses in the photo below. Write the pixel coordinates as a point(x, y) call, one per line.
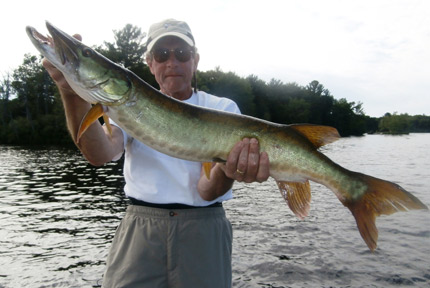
point(163, 54)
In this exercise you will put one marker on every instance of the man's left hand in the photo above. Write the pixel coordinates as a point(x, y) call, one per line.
point(246, 164)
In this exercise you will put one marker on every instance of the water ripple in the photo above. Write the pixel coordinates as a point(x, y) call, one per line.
point(58, 216)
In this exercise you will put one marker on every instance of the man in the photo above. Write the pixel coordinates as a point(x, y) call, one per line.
point(175, 234)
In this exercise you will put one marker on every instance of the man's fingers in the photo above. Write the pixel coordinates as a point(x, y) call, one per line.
point(263, 168)
point(233, 157)
point(242, 164)
point(252, 161)
point(78, 36)
point(246, 163)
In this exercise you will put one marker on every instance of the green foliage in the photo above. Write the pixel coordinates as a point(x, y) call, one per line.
point(348, 118)
point(395, 124)
point(128, 51)
point(31, 110)
point(228, 85)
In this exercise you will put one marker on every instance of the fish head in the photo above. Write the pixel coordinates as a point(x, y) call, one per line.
point(92, 76)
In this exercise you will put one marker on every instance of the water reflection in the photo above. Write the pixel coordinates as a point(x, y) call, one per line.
point(58, 216)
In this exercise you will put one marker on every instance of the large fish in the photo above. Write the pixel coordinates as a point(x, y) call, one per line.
point(198, 134)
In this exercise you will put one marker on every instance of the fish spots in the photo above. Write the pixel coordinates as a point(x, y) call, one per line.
point(121, 119)
point(177, 150)
point(139, 115)
point(130, 103)
point(139, 134)
point(185, 152)
point(348, 186)
point(128, 126)
point(357, 189)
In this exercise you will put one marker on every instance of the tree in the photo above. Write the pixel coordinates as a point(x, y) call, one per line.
point(317, 89)
point(321, 103)
point(128, 50)
point(395, 124)
point(420, 123)
point(348, 118)
point(260, 92)
point(228, 85)
point(5, 94)
point(27, 86)
point(36, 114)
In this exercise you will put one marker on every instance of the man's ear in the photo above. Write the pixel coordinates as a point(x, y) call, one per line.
point(196, 61)
point(149, 63)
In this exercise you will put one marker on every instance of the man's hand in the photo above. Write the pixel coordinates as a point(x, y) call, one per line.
point(56, 74)
point(246, 164)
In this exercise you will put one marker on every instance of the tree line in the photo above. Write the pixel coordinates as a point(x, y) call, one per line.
point(31, 110)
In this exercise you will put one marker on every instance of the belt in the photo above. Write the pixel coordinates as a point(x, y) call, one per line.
point(170, 206)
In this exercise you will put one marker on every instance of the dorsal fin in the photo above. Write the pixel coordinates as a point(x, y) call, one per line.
point(318, 135)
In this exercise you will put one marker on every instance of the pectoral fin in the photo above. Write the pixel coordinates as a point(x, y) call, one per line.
point(107, 123)
point(92, 115)
point(297, 195)
point(207, 166)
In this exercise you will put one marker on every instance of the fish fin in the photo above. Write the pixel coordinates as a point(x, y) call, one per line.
point(381, 198)
point(297, 195)
point(318, 135)
point(207, 166)
point(107, 123)
point(92, 115)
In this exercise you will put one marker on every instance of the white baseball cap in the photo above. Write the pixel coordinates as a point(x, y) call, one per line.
point(169, 27)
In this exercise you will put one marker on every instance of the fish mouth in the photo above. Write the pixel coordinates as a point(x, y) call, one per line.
point(43, 40)
point(92, 76)
point(58, 44)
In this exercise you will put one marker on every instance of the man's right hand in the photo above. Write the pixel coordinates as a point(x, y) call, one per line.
point(56, 74)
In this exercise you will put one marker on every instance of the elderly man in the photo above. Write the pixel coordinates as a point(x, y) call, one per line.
point(175, 232)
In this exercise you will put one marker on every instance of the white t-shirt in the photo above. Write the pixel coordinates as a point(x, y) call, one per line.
point(155, 177)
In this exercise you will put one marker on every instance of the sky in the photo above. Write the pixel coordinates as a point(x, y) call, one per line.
point(376, 52)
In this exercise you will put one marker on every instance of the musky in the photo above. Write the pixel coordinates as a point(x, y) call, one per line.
point(372, 51)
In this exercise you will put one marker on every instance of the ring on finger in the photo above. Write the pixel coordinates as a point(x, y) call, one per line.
point(240, 172)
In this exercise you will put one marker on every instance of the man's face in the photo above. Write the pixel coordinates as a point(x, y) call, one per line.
point(174, 76)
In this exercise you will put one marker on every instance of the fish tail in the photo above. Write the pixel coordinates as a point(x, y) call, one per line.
point(381, 198)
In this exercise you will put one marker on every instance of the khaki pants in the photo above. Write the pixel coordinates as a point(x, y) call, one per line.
point(156, 247)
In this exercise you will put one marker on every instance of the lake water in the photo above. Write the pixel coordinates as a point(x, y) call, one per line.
point(58, 216)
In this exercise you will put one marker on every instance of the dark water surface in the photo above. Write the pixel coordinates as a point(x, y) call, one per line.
point(58, 216)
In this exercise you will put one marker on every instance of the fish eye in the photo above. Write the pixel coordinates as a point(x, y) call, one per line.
point(87, 52)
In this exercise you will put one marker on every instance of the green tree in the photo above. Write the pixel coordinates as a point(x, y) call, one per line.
point(5, 95)
point(279, 97)
point(128, 50)
point(316, 88)
point(395, 123)
point(26, 83)
point(348, 118)
point(420, 123)
point(321, 103)
point(260, 92)
point(229, 85)
point(36, 111)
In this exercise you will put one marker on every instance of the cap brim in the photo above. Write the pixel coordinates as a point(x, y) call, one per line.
point(187, 40)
